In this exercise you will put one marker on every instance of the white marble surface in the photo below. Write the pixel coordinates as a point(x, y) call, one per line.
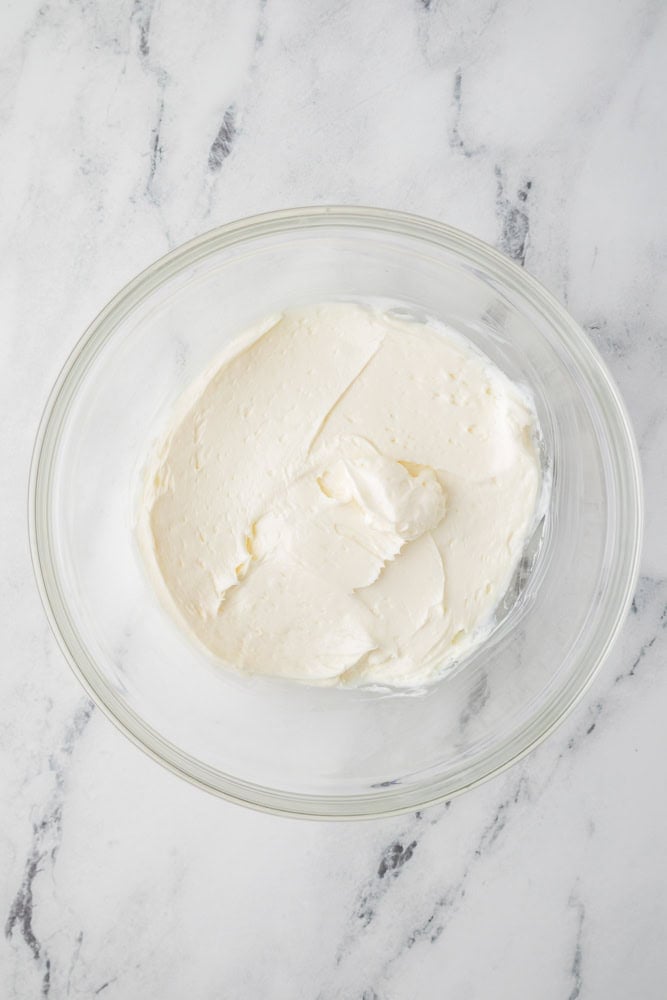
point(129, 126)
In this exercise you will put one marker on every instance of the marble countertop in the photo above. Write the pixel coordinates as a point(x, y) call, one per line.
point(130, 126)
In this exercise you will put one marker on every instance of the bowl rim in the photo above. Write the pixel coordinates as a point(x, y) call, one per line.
point(380, 802)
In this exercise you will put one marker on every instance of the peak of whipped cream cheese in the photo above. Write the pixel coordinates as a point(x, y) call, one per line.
point(344, 500)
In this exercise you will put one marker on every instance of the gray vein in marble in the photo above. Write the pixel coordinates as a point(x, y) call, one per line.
point(649, 591)
point(74, 958)
point(575, 970)
point(399, 853)
point(224, 140)
point(142, 15)
point(514, 220)
point(229, 129)
point(390, 866)
point(597, 709)
point(46, 838)
point(156, 153)
point(104, 985)
point(142, 12)
point(434, 925)
point(456, 140)
point(394, 858)
point(640, 656)
point(586, 728)
point(20, 913)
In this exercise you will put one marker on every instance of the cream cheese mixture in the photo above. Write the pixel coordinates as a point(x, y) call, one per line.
point(344, 501)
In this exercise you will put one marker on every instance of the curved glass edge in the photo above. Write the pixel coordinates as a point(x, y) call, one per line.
point(366, 806)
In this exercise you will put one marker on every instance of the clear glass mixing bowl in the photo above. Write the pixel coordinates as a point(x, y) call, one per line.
point(275, 745)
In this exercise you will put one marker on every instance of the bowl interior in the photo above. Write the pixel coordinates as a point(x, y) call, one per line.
point(275, 744)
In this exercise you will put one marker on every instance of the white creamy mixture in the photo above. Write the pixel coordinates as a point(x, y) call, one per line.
point(344, 500)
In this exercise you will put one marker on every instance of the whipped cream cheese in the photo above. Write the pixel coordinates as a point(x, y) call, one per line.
point(344, 500)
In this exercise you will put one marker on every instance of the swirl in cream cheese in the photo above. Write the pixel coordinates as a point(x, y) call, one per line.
point(344, 500)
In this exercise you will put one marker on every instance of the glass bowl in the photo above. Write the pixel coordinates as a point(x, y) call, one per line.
point(276, 745)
